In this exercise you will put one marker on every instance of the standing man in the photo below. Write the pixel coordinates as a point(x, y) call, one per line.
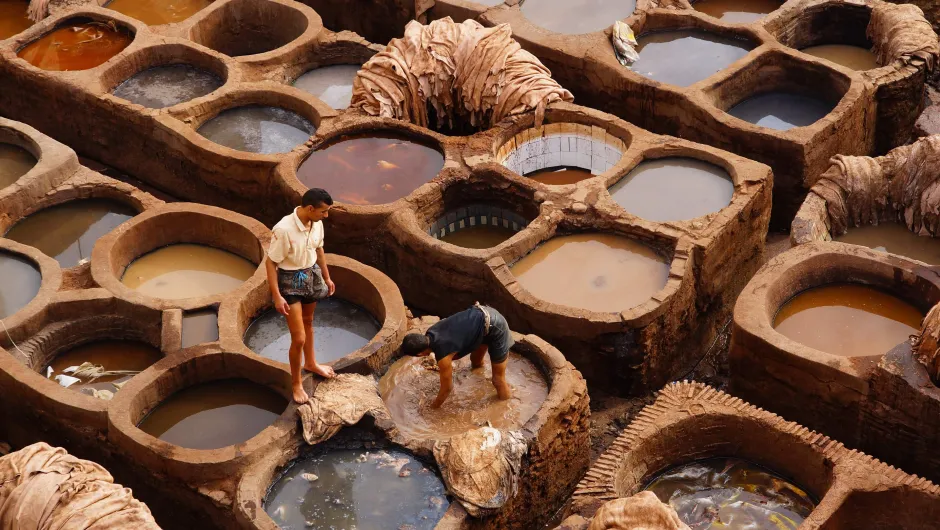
point(298, 277)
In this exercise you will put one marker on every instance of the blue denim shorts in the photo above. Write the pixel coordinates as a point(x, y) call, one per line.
point(499, 339)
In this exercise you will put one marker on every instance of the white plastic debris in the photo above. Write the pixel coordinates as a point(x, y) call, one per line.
point(66, 380)
point(310, 477)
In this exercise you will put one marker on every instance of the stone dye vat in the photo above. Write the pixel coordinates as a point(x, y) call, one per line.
point(13, 19)
point(562, 153)
point(14, 163)
point(683, 58)
point(239, 28)
point(21, 281)
point(77, 44)
point(332, 84)
point(119, 361)
point(258, 129)
point(714, 440)
point(477, 226)
point(576, 17)
point(156, 12)
point(165, 86)
point(368, 489)
point(673, 189)
point(781, 111)
point(68, 231)
point(736, 11)
point(200, 327)
point(894, 238)
point(185, 270)
point(371, 169)
point(854, 57)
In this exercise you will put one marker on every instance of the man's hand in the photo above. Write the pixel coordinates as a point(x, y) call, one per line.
point(331, 286)
point(281, 305)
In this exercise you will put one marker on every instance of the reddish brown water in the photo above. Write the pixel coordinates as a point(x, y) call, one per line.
point(737, 11)
point(184, 271)
point(155, 12)
point(215, 414)
point(848, 319)
point(478, 236)
point(561, 175)
point(109, 354)
point(13, 19)
point(14, 163)
point(598, 272)
point(371, 169)
point(411, 384)
point(896, 239)
point(79, 45)
point(854, 57)
point(732, 494)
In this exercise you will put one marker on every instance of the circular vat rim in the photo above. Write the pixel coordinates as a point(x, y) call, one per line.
point(821, 263)
point(119, 248)
point(55, 163)
point(177, 372)
point(374, 290)
point(51, 279)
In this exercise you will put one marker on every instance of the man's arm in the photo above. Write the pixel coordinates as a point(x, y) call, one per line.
point(279, 302)
point(321, 261)
point(445, 369)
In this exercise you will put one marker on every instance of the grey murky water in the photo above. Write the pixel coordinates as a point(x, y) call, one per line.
point(19, 283)
point(258, 129)
point(673, 189)
point(165, 86)
point(781, 110)
point(332, 84)
point(200, 327)
point(577, 16)
point(682, 58)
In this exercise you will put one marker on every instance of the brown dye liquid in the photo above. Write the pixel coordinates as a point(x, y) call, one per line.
point(673, 189)
point(410, 386)
point(847, 319)
point(479, 236)
point(854, 57)
point(598, 272)
point(737, 11)
point(14, 163)
point(67, 232)
point(155, 12)
point(13, 19)
point(19, 283)
point(77, 46)
point(682, 58)
point(896, 239)
point(732, 494)
point(215, 414)
point(110, 355)
point(200, 327)
point(370, 169)
point(185, 270)
point(561, 175)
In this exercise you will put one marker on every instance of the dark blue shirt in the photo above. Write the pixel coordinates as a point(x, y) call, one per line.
point(461, 332)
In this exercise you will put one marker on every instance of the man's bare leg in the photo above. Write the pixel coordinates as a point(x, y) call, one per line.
point(295, 325)
point(499, 380)
point(310, 356)
point(476, 357)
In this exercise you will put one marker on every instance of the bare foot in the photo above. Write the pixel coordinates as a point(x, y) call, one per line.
point(300, 396)
point(322, 370)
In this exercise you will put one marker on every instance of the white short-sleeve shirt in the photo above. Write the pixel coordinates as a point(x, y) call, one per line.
point(293, 245)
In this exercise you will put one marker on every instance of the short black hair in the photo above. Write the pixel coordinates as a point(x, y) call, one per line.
point(415, 343)
point(315, 197)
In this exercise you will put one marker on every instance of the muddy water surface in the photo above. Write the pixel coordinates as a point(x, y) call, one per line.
point(214, 414)
point(19, 282)
point(577, 16)
point(896, 239)
point(78, 45)
point(682, 58)
point(737, 11)
point(353, 488)
point(854, 57)
point(479, 236)
point(411, 384)
point(111, 355)
point(339, 328)
point(165, 86)
point(848, 319)
point(561, 175)
point(332, 84)
point(200, 327)
point(258, 129)
point(68, 231)
point(732, 494)
point(185, 270)
point(14, 163)
point(155, 12)
point(594, 271)
point(13, 19)
point(781, 110)
point(371, 169)
point(673, 189)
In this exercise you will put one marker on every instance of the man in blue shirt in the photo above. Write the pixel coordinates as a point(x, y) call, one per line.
point(474, 332)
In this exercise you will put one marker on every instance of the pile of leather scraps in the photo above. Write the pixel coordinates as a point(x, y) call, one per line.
point(338, 402)
point(900, 32)
point(43, 487)
point(927, 344)
point(463, 71)
point(902, 186)
point(643, 511)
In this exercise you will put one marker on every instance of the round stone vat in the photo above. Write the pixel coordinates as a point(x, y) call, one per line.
point(563, 153)
point(685, 57)
point(258, 129)
point(878, 510)
point(68, 231)
point(674, 189)
point(376, 167)
point(102, 367)
point(20, 280)
point(164, 86)
point(736, 11)
point(249, 27)
point(781, 111)
point(180, 255)
point(894, 238)
point(157, 12)
point(833, 31)
point(477, 226)
point(15, 162)
point(13, 19)
point(332, 84)
point(79, 43)
point(576, 17)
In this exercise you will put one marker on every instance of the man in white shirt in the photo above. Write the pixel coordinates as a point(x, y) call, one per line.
point(298, 276)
